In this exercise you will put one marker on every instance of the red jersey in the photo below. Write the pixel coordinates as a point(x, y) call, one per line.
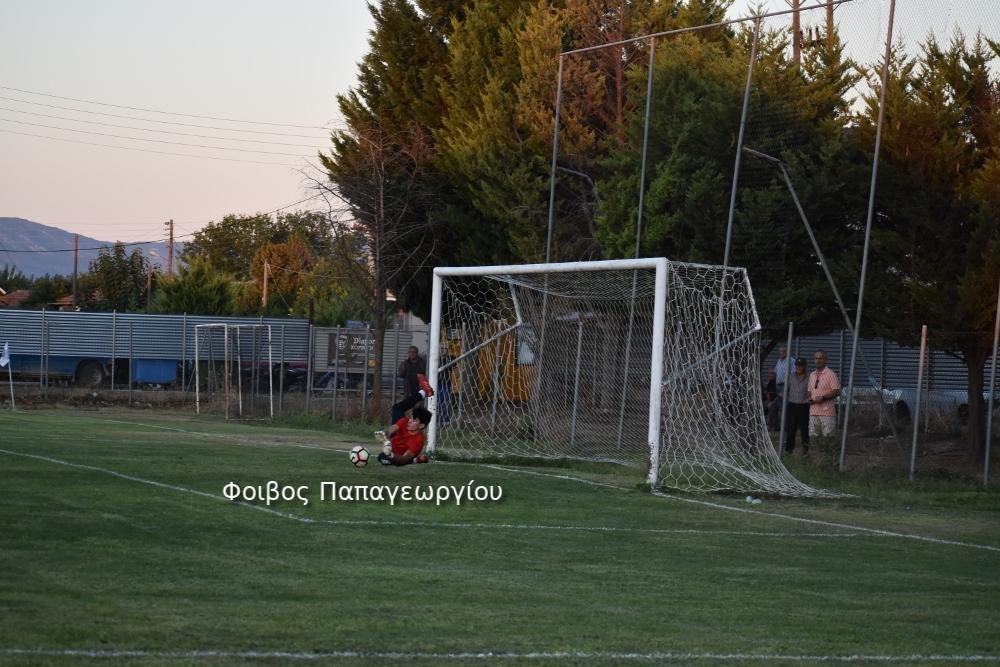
point(403, 441)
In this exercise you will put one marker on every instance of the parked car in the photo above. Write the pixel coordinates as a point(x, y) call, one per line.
point(949, 401)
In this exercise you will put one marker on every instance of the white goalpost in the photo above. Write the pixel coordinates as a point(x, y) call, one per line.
point(643, 362)
point(233, 356)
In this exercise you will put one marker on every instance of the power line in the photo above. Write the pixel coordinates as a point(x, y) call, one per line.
point(154, 120)
point(134, 243)
point(147, 129)
point(155, 141)
point(168, 113)
point(146, 150)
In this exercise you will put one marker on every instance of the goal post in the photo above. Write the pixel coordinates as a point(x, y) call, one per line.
point(658, 265)
point(243, 347)
point(646, 362)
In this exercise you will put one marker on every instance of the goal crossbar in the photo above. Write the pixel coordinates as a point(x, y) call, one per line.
point(641, 362)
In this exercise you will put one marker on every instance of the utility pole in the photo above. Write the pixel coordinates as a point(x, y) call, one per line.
point(829, 24)
point(76, 260)
point(170, 251)
point(149, 285)
point(263, 297)
point(796, 31)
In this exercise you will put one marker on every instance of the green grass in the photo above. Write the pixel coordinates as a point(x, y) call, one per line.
point(93, 561)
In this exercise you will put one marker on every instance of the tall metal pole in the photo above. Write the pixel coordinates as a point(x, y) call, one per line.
point(784, 393)
point(638, 241)
point(114, 339)
point(916, 413)
point(645, 146)
point(131, 362)
point(555, 155)
point(868, 232)
point(576, 383)
point(993, 380)
point(197, 377)
point(739, 147)
point(225, 365)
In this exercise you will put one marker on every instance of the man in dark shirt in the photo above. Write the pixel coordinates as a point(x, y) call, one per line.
point(409, 369)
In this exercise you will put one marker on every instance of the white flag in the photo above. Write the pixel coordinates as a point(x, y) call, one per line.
point(5, 357)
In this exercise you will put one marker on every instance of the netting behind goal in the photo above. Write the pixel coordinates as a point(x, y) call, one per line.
point(544, 362)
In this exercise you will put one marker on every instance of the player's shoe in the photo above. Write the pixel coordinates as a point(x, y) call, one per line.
point(422, 458)
point(385, 459)
point(425, 386)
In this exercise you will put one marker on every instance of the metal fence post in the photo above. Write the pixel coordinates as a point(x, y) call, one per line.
point(114, 340)
point(309, 367)
point(916, 416)
point(281, 374)
point(336, 370)
point(131, 363)
point(184, 330)
point(789, 367)
point(364, 379)
point(993, 380)
point(41, 354)
point(576, 382)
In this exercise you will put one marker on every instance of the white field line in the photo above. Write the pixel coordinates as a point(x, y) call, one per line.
point(788, 517)
point(831, 524)
point(162, 485)
point(871, 531)
point(429, 524)
point(655, 656)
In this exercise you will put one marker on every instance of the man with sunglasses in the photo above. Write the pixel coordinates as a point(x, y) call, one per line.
point(824, 388)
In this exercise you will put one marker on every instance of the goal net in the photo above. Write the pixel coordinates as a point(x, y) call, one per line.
point(234, 370)
point(648, 363)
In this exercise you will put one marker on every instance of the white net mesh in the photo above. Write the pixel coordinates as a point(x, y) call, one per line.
point(234, 370)
point(557, 365)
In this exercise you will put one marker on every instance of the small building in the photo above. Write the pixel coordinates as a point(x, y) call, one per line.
point(14, 299)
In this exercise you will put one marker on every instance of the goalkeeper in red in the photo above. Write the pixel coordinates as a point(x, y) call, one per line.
point(404, 440)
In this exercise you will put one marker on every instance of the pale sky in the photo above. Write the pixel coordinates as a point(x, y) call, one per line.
point(253, 60)
point(256, 60)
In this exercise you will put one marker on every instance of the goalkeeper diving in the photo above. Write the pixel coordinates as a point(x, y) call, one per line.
point(403, 442)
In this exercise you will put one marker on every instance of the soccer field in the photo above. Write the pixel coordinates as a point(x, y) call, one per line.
point(117, 542)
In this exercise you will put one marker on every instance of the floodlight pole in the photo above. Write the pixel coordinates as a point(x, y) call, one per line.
point(993, 380)
point(868, 232)
point(638, 239)
point(555, 155)
point(739, 149)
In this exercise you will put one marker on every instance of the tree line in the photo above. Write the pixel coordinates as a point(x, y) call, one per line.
point(446, 158)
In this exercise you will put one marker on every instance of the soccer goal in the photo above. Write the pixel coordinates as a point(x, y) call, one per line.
point(644, 362)
point(234, 366)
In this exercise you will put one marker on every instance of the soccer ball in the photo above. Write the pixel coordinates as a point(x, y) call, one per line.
point(359, 456)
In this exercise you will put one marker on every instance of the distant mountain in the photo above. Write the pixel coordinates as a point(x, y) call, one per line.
point(21, 234)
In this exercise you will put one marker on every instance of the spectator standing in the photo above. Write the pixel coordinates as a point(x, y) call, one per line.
point(412, 366)
point(824, 388)
point(797, 413)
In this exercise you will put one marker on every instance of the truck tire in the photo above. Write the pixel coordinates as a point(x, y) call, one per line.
point(89, 374)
